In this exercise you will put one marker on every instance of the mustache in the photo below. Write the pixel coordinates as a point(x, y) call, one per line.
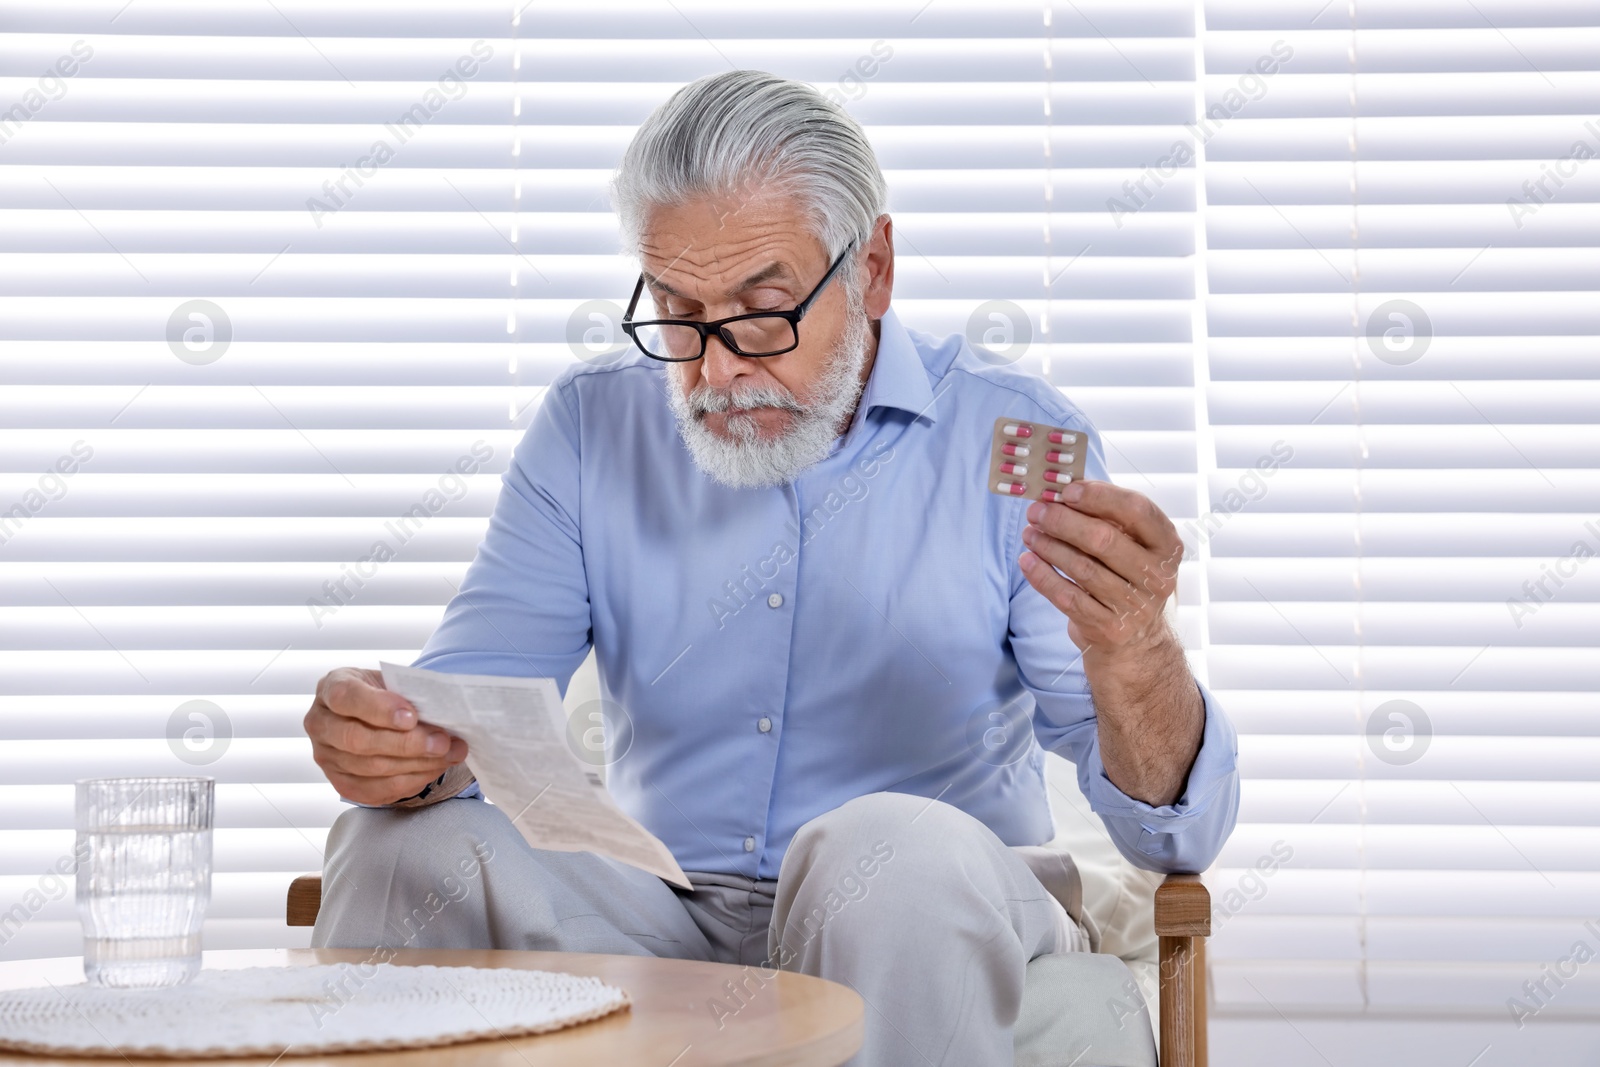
point(705, 399)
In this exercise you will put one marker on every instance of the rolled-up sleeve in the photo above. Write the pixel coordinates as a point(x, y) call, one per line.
point(1183, 836)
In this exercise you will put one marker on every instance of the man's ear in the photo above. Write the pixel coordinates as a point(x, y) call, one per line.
point(879, 264)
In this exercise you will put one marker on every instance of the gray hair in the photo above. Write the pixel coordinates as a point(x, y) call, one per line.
point(746, 130)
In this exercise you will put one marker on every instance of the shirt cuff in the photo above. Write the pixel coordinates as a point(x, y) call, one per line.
point(1215, 766)
point(458, 781)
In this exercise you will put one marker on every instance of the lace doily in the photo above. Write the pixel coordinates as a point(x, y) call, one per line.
point(261, 1011)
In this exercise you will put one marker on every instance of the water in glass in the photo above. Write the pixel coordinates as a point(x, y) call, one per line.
point(144, 878)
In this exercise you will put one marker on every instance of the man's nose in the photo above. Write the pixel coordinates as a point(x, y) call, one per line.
point(720, 366)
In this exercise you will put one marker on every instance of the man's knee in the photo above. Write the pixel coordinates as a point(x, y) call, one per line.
point(445, 846)
point(410, 878)
point(889, 842)
point(910, 829)
point(855, 873)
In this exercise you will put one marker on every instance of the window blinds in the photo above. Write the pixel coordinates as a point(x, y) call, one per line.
point(1403, 232)
point(281, 284)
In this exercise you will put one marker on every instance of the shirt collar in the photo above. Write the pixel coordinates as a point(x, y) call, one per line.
point(898, 379)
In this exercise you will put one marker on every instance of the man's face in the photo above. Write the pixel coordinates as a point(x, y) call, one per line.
point(752, 422)
point(718, 257)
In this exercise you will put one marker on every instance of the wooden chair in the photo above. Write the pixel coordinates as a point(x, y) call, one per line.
point(1182, 919)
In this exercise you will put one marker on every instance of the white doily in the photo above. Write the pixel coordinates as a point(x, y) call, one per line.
point(259, 1011)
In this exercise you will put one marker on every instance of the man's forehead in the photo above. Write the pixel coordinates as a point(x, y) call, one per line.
point(674, 264)
point(766, 271)
point(704, 244)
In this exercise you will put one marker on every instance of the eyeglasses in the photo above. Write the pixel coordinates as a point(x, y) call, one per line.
point(760, 333)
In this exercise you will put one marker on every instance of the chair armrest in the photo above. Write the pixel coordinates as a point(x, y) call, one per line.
point(305, 900)
point(1183, 907)
point(1183, 922)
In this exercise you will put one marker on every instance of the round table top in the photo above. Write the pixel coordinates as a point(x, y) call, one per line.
point(765, 1018)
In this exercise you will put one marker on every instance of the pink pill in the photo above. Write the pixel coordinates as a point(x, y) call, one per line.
point(1013, 468)
point(1057, 476)
point(1014, 450)
point(1051, 495)
point(1017, 429)
point(1060, 437)
point(1058, 457)
point(1011, 488)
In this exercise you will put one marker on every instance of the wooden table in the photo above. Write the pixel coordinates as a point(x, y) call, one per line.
point(787, 1020)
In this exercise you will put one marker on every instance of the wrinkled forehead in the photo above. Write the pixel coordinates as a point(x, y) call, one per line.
point(716, 247)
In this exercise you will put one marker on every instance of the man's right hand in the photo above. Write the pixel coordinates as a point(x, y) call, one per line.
point(369, 742)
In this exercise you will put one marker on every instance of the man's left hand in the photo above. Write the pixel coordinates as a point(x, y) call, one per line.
point(1121, 553)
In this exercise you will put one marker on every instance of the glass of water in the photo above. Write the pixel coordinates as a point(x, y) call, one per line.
point(144, 878)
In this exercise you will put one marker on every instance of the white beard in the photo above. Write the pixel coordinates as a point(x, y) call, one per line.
point(746, 461)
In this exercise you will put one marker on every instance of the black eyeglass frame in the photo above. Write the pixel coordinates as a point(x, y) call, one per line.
point(705, 329)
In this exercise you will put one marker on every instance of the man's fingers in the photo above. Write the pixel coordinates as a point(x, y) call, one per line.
point(376, 767)
point(1107, 558)
point(358, 694)
point(1095, 537)
point(369, 741)
point(1107, 587)
point(359, 739)
point(1071, 600)
point(1133, 511)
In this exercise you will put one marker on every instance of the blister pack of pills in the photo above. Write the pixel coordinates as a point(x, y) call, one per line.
point(1034, 461)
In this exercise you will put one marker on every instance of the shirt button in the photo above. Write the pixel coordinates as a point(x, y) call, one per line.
point(764, 724)
point(775, 600)
point(749, 844)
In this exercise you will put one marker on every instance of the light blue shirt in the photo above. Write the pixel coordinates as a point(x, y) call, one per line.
point(778, 652)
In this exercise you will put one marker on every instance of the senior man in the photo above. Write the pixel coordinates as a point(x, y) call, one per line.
point(834, 659)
